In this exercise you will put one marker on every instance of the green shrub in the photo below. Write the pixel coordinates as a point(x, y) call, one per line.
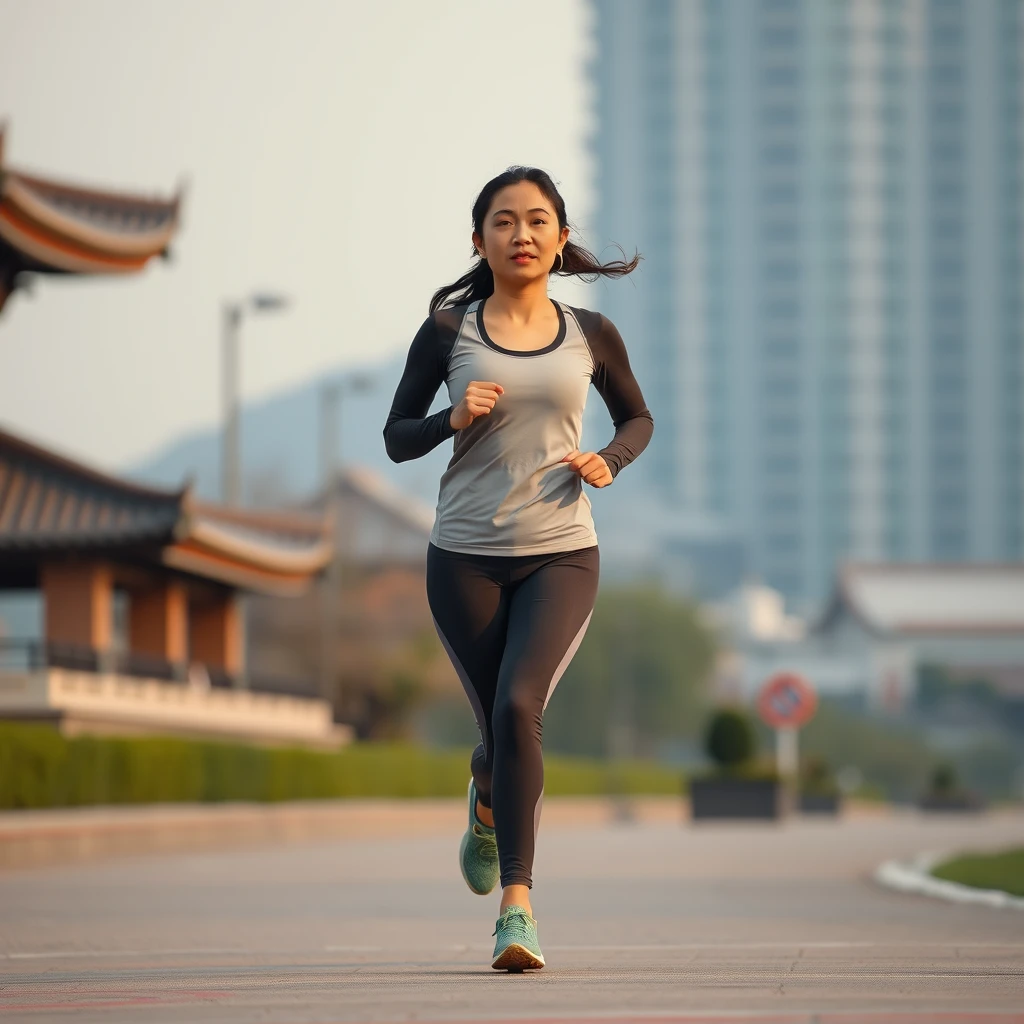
point(41, 768)
point(730, 740)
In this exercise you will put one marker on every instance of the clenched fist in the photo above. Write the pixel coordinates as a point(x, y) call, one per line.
point(478, 401)
point(590, 467)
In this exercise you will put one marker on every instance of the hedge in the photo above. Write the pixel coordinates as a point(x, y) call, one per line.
point(41, 768)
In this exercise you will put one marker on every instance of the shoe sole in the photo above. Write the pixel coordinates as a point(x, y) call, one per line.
point(517, 958)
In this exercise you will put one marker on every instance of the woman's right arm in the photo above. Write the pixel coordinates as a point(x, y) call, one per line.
point(409, 432)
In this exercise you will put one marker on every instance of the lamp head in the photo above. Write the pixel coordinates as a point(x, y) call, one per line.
point(268, 302)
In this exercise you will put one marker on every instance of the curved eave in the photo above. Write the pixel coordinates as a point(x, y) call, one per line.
point(190, 557)
point(60, 253)
point(56, 253)
point(309, 558)
point(65, 214)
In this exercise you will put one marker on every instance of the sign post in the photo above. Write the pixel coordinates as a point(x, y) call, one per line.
point(786, 702)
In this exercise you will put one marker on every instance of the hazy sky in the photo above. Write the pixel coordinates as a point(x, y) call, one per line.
point(331, 150)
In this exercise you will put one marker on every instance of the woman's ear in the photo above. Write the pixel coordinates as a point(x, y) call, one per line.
point(564, 237)
point(478, 244)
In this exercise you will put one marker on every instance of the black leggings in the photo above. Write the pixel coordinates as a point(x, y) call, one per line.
point(511, 625)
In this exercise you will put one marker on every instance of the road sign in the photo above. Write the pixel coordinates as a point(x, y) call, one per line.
point(787, 700)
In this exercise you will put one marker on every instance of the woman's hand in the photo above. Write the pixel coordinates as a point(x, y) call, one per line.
point(591, 467)
point(478, 401)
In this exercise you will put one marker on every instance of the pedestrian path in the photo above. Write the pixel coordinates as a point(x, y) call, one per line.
point(652, 921)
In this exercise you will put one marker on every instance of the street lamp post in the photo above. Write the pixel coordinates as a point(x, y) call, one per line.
point(330, 446)
point(231, 454)
point(231, 451)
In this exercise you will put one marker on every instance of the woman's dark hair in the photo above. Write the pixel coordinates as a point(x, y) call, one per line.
point(478, 282)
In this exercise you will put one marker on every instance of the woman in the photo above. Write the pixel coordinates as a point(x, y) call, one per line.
point(512, 565)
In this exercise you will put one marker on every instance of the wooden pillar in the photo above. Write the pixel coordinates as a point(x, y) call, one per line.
point(158, 622)
point(78, 598)
point(215, 634)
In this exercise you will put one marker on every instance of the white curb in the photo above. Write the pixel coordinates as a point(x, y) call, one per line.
point(916, 876)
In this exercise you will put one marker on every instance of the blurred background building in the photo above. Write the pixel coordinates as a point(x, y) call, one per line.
point(129, 607)
point(828, 325)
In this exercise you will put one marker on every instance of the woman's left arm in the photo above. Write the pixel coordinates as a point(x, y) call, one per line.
point(616, 384)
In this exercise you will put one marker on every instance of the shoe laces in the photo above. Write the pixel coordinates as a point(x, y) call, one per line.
point(515, 919)
point(487, 842)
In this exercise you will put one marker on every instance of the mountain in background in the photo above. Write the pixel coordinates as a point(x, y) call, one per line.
point(281, 444)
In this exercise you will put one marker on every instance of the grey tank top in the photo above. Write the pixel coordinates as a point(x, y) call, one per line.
point(506, 490)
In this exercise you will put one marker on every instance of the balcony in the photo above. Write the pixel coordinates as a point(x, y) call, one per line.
point(82, 690)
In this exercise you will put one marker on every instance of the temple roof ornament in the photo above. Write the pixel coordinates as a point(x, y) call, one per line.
point(48, 227)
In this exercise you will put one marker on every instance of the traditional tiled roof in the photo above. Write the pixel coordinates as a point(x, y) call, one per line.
point(51, 227)
point(960, 599)
point(50, 504)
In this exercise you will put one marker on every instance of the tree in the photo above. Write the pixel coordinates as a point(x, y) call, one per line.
point(644, 667)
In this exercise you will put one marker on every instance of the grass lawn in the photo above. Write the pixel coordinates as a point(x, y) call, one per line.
point(1003, 870)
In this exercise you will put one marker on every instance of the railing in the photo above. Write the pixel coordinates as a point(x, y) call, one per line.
point(32, 655)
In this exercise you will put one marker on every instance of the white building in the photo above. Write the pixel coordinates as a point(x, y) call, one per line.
point(885, 621)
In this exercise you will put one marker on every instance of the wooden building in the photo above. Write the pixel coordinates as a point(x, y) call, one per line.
point(90, 544)
point(49, 227)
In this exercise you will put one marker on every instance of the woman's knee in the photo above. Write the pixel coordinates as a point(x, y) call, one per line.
point(518, 718)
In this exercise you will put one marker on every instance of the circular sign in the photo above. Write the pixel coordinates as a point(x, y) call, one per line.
point(786, 699)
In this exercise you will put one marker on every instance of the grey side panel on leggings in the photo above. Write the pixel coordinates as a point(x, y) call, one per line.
point(569, 655)
point(506, 490)
point(467, 685)
point(559, 672)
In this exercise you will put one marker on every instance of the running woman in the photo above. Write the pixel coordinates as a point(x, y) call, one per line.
point(512, 564)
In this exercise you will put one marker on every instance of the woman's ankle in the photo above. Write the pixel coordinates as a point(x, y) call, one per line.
point(515, 896)
point(485, 815)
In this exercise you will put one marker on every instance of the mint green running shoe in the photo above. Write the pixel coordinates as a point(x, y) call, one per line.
point(516, 948)
point(478, 852)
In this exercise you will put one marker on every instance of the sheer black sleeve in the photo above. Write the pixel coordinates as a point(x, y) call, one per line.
point(614, 380)
point(409, 432)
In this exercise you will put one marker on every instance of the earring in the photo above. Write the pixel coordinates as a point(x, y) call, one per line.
point(561, 263)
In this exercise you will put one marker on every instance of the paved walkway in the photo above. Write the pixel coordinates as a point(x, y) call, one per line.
point(651, 921)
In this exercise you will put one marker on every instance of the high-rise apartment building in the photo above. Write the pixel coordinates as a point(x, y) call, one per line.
point(829, 196)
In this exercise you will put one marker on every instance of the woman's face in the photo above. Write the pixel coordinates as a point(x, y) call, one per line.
point(521, 234)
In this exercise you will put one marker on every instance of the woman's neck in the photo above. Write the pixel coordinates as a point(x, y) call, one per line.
point(520, 305)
